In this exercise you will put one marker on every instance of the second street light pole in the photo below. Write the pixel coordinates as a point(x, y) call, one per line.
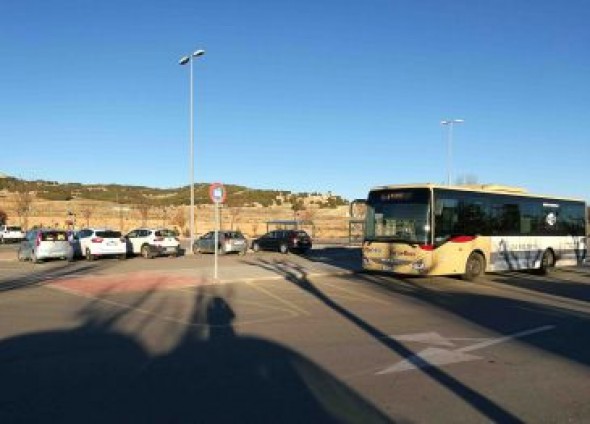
point(183, 61)
point(450, 123)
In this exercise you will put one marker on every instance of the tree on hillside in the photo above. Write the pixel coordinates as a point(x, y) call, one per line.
point(234, 216)
point(179, 219)
point(87, 211)
point(297, 206)
point(24, 200)
point(466, 179)
point(254, 228)
point(144, 211)
point(163, 212)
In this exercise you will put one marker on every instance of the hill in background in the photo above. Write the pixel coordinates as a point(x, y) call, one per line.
point(73, 205)
point(132, 195)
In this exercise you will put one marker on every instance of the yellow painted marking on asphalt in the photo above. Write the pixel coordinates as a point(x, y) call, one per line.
point(279, 298)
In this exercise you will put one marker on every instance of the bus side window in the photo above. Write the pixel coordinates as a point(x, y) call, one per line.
point(473, 216)
point(572, 222)
point(505, 218)
point(446, 218)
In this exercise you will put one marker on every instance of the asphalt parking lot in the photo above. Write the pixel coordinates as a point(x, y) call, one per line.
point(286, 338)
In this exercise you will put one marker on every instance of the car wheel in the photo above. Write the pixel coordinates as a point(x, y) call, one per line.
point(547, 262)
point(283, 248)
point(145, 251)
point(474, 267)
point(255, 247)
point(89, 255)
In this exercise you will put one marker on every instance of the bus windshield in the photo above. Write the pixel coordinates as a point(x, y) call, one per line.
point(398, 215)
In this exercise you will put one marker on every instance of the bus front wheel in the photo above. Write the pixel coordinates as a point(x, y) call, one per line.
point(474, 267)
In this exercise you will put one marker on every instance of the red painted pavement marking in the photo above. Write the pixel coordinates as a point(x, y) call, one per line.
point(129, 282)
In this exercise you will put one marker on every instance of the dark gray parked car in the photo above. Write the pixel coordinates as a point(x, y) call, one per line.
point(283, 241)
point(228, 241)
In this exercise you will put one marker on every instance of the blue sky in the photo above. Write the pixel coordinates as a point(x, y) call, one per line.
point(308, 95)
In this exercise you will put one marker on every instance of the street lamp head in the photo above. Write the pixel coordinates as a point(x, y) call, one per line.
point(184, 60)
point(452, 121)
point(197, 53)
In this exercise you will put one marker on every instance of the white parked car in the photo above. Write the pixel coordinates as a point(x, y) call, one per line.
point(150, 242)
point(11, 233)
point(96, 242)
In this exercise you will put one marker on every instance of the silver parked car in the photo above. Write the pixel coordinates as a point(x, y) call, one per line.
point(228, 241)
point(42, 243)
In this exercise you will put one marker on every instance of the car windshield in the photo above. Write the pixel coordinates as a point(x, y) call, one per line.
point(166, 233)
point(108, 234)
point(13, 228)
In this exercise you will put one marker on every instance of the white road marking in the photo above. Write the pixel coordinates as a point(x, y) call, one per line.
point(434, 356)
point(432, 338)
point(168, 318)
point(504, 339)
point(292, 306)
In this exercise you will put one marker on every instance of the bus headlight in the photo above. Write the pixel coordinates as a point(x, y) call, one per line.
point(419, 265)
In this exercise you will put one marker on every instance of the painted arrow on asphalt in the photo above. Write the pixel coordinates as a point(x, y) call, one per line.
point(435, 356)
point(434, 338)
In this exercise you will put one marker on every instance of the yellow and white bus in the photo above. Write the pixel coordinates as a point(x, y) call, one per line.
point(429, 229)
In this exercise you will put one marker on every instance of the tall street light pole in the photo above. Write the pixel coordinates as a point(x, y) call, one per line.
point(450, 123)
point(183, 61)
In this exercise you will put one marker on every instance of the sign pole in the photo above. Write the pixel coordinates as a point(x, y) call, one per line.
point(216, 237)
point(217, 194)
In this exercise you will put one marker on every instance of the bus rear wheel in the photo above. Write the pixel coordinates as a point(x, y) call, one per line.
point(474, 267)
point(547, 262)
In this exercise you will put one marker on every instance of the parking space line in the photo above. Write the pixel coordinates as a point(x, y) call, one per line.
point(123, 305)
point(279, 299)
point(246, 302)
point(292, 314)
point(357, 295)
